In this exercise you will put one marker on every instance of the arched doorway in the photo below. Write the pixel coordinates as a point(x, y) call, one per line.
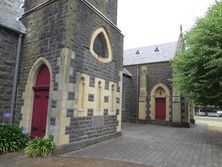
point(40, 102)
point(160, 104)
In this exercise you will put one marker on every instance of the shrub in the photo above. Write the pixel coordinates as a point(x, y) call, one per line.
point(39, 147)
point(11, 138)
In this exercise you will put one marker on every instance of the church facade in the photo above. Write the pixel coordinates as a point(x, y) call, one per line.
point(69, 82)
point(62, 73)
point(148, 88)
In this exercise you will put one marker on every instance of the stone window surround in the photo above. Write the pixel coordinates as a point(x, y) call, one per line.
point(107, 43)
point(113, 98)
point(111, 93)
point(82, 93)
point(99, 93)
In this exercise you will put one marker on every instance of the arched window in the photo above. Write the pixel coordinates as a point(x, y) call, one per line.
point(159, 92)
point(99, 96)
point(82, 88)
point(100, 46)
point(112, 97)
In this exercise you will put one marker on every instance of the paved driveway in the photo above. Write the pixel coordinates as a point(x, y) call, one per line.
point(199, 146)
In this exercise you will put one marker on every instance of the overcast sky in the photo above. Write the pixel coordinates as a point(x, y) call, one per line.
point(150, 22)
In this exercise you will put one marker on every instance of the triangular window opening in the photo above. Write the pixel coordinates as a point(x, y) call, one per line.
point(156, 49)
point(99, 46)
point(138, 52)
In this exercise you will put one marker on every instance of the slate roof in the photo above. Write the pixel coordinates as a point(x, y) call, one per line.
point(12, 24)
point(9, 11)
point(150, 54)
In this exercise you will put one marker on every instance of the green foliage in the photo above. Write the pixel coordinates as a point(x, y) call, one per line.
point(11, 138)
point(198, 69)
point(39, 147)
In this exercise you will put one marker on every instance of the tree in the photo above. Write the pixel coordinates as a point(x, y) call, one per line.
point(198, 68)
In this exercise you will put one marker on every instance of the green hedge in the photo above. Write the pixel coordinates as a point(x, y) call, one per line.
point(11, 138)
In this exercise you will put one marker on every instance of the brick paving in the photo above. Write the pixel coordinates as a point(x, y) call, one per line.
point(161, 146)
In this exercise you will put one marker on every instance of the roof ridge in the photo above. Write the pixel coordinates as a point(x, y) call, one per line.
point(148, 55)
point(154, 45)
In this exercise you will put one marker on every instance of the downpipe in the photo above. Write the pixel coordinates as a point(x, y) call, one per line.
point(15, 78)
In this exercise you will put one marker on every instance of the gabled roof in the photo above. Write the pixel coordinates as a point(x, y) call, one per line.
point(150, 54)
point(9, 12)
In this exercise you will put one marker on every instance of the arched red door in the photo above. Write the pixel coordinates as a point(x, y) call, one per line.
point(40, 103)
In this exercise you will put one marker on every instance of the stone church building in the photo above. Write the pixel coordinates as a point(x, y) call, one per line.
point(148, 92)
point(66, 57)
point(62, 75)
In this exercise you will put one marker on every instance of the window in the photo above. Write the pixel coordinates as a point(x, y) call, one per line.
point(124, 96)
point(112, 97)
point(100, 46)
point(99, 96)
point(81, 93)
point(156, 50)
point(138, 52)
point(160, 92)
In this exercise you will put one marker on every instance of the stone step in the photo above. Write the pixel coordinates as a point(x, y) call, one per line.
point(158, 122)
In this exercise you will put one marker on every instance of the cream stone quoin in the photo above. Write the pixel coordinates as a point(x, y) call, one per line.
point(28, 96)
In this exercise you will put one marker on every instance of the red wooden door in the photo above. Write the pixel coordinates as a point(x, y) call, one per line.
point(40, 103)
point(160, 108)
